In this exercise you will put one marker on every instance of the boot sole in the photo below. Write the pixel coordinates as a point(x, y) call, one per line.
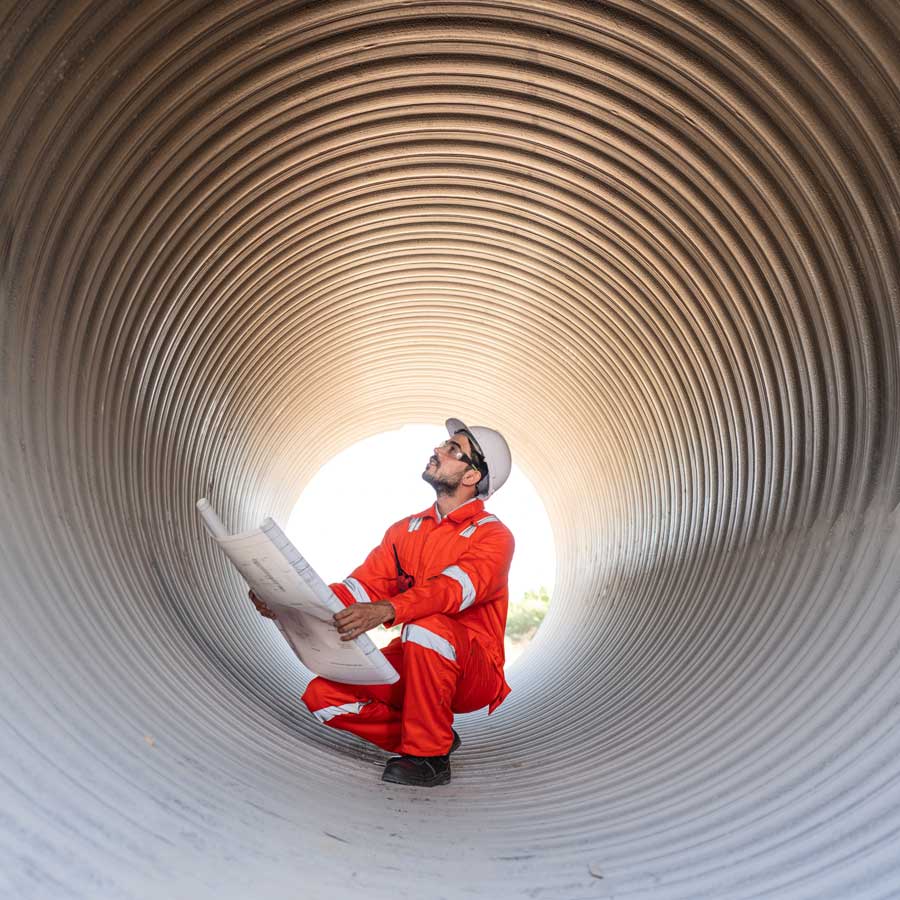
point(439, 779)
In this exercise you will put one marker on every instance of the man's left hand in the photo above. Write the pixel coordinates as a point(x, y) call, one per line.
point(358, 618)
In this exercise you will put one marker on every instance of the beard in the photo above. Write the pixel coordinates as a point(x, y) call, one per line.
point(443, 485)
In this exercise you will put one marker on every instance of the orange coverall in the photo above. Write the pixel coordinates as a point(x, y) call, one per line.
point(447, 581)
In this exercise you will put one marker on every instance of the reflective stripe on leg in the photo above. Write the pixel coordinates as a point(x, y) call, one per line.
point(416, 634)
point(329, 712)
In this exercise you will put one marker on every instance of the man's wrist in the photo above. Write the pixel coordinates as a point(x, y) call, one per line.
point(389, 611)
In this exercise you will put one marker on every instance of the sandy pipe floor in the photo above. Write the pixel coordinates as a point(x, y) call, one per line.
point(654, 242)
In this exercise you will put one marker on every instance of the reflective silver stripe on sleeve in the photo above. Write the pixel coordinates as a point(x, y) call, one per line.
point(425, 638)
point(358, 591)
point(488, 519)
point(414, 523)
point(467, 532)
point(329, 712)
point(468, 589)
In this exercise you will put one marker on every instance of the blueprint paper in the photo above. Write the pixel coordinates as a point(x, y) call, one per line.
point(303, 603)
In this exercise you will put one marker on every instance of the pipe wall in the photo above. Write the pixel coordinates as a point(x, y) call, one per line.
point(654, 243)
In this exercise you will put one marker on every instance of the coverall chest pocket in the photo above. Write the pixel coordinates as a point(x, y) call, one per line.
point(442, 550)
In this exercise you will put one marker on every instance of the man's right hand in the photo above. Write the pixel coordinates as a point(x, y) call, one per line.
point(261, 607)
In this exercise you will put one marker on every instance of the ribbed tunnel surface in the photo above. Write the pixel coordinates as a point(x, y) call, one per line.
point(654, 243)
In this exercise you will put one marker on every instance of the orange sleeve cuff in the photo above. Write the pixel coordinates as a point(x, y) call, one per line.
point(342, 592)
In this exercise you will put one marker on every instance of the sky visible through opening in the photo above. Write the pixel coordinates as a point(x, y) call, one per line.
point(348, 504)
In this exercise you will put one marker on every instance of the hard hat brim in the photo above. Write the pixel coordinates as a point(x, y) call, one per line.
point(454, 425)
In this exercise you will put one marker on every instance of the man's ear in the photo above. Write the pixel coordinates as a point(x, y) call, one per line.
point(472, 477)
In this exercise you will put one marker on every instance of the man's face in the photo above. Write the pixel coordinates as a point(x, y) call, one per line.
point(444, 471)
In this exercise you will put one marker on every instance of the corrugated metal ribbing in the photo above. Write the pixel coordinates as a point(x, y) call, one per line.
point(654, 243)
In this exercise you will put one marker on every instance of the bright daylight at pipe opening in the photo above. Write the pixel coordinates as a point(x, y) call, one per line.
point(378, 481)
point(654, 244)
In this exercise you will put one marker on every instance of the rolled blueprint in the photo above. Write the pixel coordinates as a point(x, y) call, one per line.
point(211, 519)
point(304, 605)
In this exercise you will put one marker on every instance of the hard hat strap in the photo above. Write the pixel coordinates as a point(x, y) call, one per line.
point(478, 459)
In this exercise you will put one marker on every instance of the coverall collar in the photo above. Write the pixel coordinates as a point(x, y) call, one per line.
point(464, 511)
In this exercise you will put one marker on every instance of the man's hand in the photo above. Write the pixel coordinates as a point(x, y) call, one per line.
point(261, 607)
point(360, 617)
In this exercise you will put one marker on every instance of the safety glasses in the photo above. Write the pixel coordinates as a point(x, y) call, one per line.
point(451, 448)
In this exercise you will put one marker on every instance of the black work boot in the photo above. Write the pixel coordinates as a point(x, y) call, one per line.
point(422, 771)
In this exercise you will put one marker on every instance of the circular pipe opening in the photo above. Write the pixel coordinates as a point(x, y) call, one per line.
point(346, 506)
point(663, 235)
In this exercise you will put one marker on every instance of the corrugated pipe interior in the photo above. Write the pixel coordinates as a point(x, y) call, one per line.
point(654, 242)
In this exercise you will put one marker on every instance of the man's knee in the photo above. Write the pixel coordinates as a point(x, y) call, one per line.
point(321, 692)
point(436, 632)
point(312, 696)
point(436, 622)
point(327, 699)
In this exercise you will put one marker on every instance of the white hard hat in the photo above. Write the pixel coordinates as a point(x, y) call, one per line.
point(493, 447)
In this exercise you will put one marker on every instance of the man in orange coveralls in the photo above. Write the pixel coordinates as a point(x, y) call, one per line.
point(443, 573)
